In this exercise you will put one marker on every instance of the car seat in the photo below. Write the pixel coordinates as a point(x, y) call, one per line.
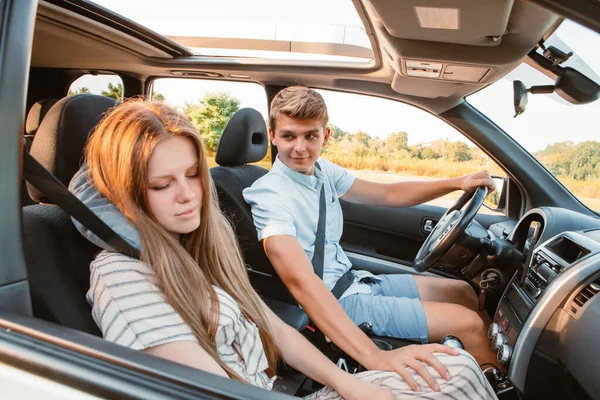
point(245, 140)
point(57, 256)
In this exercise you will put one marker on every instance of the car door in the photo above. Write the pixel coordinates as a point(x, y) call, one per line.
point(394, 235)
point(387, 141)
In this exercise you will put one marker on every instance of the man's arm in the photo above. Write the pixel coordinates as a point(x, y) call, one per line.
point(299, 353)
point(407, 194)
point(295, 270)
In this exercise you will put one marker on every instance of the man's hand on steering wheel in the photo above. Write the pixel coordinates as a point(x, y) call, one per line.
point(453, 223)
point(481, 178)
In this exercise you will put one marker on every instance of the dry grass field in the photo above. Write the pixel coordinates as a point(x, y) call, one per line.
point(381, 170)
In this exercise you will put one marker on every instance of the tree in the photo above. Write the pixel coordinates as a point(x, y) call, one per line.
point(79, 90)
point(337, 132)
point(428, 153)
point(398, 140)
point(116, 92)
point(458, 151)
point(158, 96)
point(362, 137)
point(210, 116)
point(584, 160)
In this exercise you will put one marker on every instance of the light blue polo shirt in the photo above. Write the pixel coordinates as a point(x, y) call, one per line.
point(286, 202)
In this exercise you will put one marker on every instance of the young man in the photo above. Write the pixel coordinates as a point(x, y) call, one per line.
point(285, 207)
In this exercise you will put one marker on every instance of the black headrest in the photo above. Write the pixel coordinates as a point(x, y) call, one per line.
point(244, 140)
point(59, 142)
point(36, 114)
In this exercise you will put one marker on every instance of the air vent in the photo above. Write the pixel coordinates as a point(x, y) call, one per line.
point(583, 297)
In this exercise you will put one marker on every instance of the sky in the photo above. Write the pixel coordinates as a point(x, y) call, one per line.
point(548, 118)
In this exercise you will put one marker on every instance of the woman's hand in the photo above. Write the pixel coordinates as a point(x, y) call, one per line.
point(355, 389)
point(414, 357)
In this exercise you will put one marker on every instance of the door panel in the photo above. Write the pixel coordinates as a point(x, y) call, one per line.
point(86, 363)
point(394, 234)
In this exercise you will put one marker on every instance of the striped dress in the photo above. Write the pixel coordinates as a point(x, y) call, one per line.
point(131, 311)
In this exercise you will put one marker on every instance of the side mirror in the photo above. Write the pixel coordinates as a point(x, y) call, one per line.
point(496, 201)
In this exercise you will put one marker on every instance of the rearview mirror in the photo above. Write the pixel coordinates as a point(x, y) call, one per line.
point(570, 84)
point(575, 87)
point(519, 97)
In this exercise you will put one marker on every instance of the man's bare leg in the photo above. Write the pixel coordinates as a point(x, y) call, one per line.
point(445, 290)
point(454, 319)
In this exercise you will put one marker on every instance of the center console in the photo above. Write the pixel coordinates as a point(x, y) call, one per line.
point(539, 269)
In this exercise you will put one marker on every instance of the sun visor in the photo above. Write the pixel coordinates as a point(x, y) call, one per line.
point(470, 22)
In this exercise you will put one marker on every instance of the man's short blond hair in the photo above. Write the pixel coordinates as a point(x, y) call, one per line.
point(298, 102)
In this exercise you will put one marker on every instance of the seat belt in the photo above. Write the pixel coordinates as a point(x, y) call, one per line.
point(319, 254)
point(40, 178)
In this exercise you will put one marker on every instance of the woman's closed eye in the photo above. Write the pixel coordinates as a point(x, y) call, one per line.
point(160, 187)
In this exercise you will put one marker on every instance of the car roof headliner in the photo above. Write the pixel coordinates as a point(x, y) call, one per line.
point(494, 38)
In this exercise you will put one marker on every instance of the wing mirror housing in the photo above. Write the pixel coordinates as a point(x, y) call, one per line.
point(496, 201)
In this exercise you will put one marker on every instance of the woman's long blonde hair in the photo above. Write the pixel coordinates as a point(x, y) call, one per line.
point(117, 154)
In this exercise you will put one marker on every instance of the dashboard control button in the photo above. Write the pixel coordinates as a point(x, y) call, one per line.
point(504, 354)
point(498, 341)
point(493, 330)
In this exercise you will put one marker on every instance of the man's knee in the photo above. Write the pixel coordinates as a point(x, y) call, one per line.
point(464, 291)
point(473, 321)
point(456, 319)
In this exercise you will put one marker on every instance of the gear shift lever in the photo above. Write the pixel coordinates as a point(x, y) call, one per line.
point(452, 341)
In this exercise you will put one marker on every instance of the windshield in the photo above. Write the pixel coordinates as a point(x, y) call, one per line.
point(563, 137)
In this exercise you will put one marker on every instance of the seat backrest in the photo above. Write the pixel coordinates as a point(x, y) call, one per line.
point(36, 114)
point(56, 254)
point(245, 140)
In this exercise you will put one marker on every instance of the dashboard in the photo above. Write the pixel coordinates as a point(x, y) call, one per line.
point(549, 306)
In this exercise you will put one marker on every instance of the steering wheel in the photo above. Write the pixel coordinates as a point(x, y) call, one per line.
point(452, 224)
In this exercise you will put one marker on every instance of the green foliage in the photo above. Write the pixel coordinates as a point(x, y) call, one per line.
point(158, 96)
point(337, 132)
point(576, 161)
point(210, 116)
point(458, 151)
point(398, 140)
point(428, 153)
point(79, 90)
point(577, 166)
point(116, 92)
point(362, 138)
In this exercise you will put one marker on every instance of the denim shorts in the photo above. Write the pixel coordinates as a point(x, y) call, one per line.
point(393, 308)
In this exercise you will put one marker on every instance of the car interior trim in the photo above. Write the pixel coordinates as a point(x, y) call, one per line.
point(540, 315)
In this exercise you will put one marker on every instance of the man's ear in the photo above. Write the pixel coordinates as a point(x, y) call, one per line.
point(327, 134)
point(272, 136)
